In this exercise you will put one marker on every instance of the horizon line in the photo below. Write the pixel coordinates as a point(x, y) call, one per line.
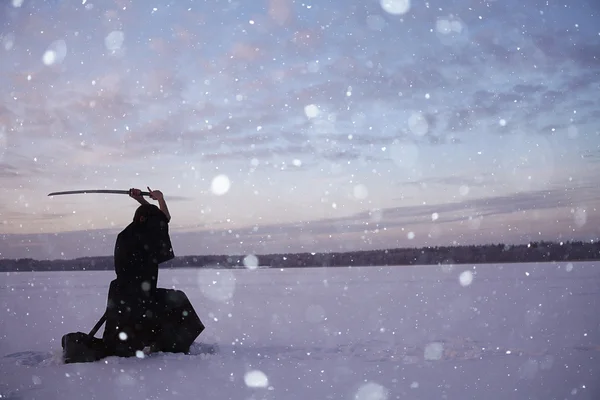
point(490, 244)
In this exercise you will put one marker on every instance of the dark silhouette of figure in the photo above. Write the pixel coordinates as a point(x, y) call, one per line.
point(133, 310)
point(138, 314)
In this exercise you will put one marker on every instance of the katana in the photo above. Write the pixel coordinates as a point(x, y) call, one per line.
point(109, 191)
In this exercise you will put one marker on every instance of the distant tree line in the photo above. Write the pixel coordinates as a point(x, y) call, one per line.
point(475, 254)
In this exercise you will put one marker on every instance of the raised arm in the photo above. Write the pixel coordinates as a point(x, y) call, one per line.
point(162, 204)
point(136, 194)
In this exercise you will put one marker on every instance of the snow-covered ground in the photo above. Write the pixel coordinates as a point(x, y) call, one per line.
point(514, 331)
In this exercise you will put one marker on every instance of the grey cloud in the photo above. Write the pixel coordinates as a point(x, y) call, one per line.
point(366, 139)
point(525, 201)
point(450, 181)
point(461, 119)
point(260, 153)
point(527, 89)
point(585, 103)
point(482, 95)
point(8, 214)
point(343, 155)
point(550, 98)
point(580, 81)
point(8, 171)
point(586, 54)
point(19, 166)
point(448, 212)
point(593, 155)
point(394, 219)
point(594, 114)
point(551, 129)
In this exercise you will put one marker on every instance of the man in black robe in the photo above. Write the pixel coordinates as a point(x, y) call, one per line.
point(133, 312)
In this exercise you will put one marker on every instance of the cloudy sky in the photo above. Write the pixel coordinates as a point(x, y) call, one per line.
point(280, 125)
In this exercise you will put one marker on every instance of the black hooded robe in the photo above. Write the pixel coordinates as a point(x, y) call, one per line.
point(132, 315)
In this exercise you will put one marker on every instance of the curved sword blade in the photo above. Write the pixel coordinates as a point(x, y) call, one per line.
point(109, 191)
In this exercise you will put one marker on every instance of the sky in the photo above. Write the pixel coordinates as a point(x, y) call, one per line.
point(288, 126)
